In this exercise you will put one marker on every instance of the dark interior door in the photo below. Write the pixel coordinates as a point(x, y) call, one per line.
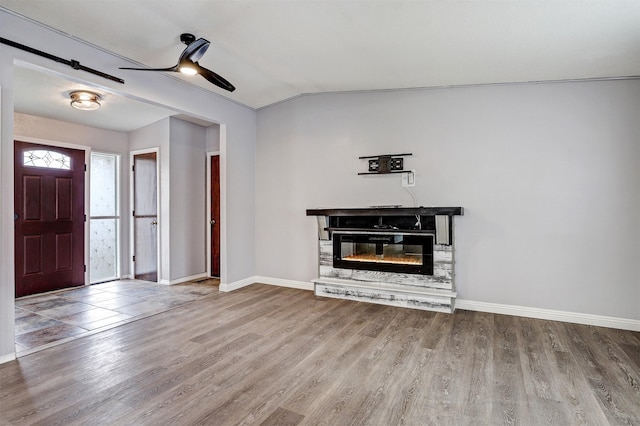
point(215, 216)
point(49, 218)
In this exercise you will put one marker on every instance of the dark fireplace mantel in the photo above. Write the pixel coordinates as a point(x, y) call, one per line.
point(435, 220)
point(388, 211)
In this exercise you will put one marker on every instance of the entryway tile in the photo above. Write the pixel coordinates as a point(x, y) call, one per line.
point(117, 302)
point(144, 308)
point(46, 318)
point(88, 316)
point(33, 322)
point(47, 335)
point(106, 321)
point(58, 312)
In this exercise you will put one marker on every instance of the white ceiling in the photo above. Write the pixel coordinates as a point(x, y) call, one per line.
point(275, 50)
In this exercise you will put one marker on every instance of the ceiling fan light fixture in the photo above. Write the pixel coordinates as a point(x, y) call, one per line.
point(85, 100)
point(188, 62)
point(188, 69)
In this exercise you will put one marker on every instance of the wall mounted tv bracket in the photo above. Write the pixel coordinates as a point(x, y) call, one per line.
point(384, 164)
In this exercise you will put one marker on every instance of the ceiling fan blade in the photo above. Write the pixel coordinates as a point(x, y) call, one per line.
point(174, 69)
point(194, 50)
point(214, 78)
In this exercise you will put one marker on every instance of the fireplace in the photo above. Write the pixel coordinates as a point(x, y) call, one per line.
point(398, 256)
point(381, 251)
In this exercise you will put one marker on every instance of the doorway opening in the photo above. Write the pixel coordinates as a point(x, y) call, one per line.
point(213, 195)
point(144, 171)
point(28, 77)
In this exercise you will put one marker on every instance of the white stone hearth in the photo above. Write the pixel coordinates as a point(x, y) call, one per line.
point(427, 292)
point(430, 287)
point(387, 294)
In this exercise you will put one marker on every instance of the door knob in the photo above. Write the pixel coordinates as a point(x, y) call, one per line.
point(155, 222)
point(213, 221)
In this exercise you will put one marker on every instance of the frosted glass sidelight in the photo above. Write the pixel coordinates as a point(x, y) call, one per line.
point(104, 221)
point(104, 250)
point(45, 158)
point(104, 185)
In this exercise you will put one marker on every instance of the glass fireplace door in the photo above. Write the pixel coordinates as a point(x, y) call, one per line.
point(409, 253)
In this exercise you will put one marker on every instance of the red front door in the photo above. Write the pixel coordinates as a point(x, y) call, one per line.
point(49, 218)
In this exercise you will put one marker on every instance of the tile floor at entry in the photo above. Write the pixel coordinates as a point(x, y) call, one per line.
point(51, 318)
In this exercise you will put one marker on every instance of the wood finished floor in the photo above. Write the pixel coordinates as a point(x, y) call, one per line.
point(265, 355)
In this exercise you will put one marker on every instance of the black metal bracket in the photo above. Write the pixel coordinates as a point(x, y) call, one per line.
point(71, 62)
point(384, 164)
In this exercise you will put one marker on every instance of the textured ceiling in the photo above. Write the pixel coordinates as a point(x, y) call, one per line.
point(274, 50)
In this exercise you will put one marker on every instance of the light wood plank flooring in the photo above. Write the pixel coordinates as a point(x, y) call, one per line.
point(265, 355)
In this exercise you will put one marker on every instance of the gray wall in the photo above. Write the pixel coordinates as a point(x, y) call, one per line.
point(548, 175)
point(188, 199)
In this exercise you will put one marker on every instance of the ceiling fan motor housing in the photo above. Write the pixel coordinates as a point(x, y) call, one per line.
point(187, 38)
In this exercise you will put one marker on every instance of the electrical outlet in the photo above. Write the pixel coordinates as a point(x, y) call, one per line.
point(409, 178)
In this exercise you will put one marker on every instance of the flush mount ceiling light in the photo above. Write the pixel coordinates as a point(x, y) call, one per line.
point(85, 100)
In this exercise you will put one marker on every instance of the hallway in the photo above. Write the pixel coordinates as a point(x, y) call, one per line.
point(49, 319)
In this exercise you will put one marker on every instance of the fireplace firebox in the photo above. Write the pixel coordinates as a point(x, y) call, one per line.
point(389, 252)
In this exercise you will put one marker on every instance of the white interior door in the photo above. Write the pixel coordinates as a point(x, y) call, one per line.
point(145, 216)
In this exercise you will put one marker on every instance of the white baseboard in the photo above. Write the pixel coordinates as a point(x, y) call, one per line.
point(549, 314)
point(301, 285)
point(470, 305)
point(7, 358)
point(183, 279)
point(189, 278)
point(237, 284)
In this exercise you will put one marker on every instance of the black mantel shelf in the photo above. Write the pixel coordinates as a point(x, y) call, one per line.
point(388, 211)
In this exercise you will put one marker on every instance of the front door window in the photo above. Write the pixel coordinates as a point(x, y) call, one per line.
point(46, 158)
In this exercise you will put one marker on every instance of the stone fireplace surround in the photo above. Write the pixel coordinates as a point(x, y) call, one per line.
point(418, 291)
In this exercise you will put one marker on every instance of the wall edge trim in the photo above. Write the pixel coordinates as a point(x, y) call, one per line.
point(281, 282)
point(186, 279)
point(7, 358)
point(550, 314)
point(470, 305)
point(226, 287)
point(256, 279)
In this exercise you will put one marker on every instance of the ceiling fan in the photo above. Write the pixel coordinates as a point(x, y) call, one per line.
point(188, 62)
